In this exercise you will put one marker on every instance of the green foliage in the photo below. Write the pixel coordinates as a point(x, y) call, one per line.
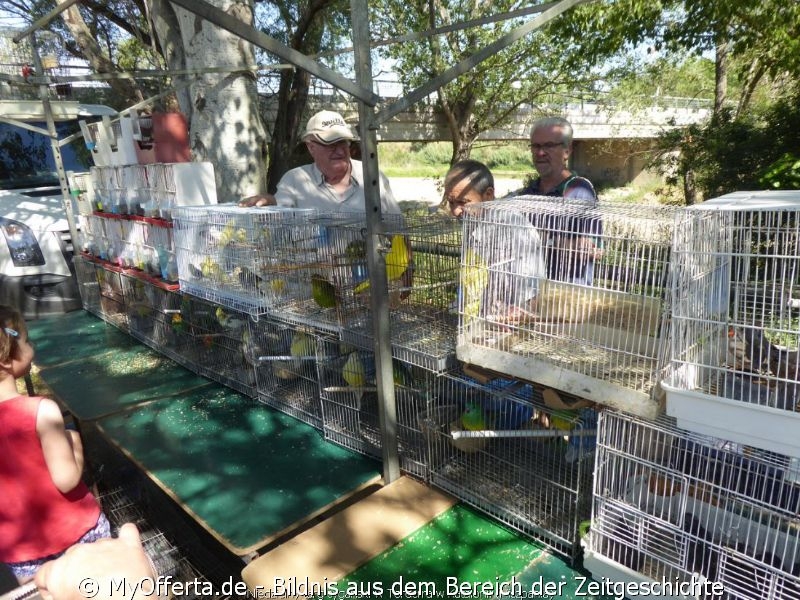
point(784, 173)
point(747, 152)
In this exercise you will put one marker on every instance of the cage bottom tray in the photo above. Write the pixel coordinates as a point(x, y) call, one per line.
point(750, 424)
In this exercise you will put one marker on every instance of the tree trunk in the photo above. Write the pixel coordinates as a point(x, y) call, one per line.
point(125, 89)
point(226, 127)
point(720, 74)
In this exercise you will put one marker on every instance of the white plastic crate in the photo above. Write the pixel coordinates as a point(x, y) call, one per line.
point(735, 320)
point(569, 295)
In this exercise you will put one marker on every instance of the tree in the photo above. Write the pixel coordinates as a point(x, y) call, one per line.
point(307, 26)
point(527, 72)
point(225, 126)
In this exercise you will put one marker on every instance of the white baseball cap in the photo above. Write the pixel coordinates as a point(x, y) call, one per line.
point(328, 127)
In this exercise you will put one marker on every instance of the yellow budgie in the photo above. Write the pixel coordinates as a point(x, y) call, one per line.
point(474, 279)
point(397, 260)
point(354, 372)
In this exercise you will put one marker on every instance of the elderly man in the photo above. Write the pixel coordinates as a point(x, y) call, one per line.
point(334, 182)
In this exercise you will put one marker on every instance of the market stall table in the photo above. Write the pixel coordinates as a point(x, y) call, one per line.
point(76, 335)
point(246, 472)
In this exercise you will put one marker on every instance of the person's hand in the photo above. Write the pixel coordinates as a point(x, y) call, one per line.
point(87, 570)
point(258, 200)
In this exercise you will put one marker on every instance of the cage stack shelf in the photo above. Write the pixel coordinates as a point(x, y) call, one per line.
point(673, 505)
point(246, 259)
point(736, 328)
point(422, 265)
point(569, 295)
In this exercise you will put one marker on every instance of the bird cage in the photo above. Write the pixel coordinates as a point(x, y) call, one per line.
point(284, 358)
point(138, 186)
point(735, 319)
point(496, 446)
point(569, 295)
point(246, 259)
point(16, 63)
point(672, 505)
point(208, 340)
point(150, 306)
point(350, 403)
point(322, 265)
point(88, 285)
point(422, 255)
point(112, 299)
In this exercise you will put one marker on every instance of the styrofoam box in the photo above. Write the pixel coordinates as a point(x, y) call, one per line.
point(750, 424)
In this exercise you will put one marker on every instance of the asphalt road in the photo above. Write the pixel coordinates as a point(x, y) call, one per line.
point(428, 189)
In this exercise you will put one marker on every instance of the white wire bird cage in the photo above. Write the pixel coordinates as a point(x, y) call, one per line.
point(350, 407)
point(497, 446)
point(88, 286)
point(150, 305)
point(735, 319)
point(284, 358)
point(569, 295)
point(246, 259)
point(422, 265)
point(672, 505)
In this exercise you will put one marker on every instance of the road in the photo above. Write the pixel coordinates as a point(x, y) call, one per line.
point(428, 189)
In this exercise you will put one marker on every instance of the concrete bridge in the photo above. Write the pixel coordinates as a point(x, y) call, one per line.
point(610, 146)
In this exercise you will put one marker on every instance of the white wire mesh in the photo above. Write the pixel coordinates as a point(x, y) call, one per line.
point(497, 447)
point(736, 327)
point(670, 503)
point(247, 259)
point(422, 265)
point(284, 359)
point(569, 295)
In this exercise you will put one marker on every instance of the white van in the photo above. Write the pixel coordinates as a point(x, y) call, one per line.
point(36, 270)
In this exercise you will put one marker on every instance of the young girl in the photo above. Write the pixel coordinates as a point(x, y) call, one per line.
point(46, 507)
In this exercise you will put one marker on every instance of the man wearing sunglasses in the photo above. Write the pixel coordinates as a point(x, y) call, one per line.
point(573, 242)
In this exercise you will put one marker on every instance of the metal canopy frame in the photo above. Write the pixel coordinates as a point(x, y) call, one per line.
point(369, 121)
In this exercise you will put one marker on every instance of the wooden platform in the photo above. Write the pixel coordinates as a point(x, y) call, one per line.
point(348, 539)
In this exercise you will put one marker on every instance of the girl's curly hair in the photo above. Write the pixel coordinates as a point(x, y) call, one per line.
point(10, 318)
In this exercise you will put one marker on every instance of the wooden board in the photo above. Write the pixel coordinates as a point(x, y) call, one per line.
point(244, 471)
point(351, 537)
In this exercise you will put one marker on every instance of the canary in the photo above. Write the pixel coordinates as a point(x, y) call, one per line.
point(354, 372)
point(474, 279)
point(323, 291)
point(397, 260)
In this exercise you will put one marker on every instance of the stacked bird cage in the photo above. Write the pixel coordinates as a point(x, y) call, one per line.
point(350, 403)
point(497, 446)
point(333, 255)
point(349, 398)
point(112, 298)
point(209, 341)
point(736, 325)
point(572, 295)
point(88, 286)
point(245, 259)
point(284, 359)
point(422, 265)
point(672, 505)
point(150, 306)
